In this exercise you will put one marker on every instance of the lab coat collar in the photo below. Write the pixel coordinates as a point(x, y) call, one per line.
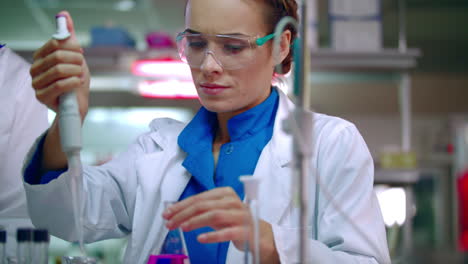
point(282, 141)
point(165, 130)
point(274, 167)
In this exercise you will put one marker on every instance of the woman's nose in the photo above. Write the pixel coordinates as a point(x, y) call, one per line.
point(210, 63)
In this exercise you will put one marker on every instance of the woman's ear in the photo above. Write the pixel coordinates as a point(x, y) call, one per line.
point(285, 45)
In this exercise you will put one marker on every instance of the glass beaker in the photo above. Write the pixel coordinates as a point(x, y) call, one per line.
point(174, 249)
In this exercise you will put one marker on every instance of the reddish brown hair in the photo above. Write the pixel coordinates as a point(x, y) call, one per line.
point(276, 10)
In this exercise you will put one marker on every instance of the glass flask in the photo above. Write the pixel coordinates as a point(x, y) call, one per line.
point(173, 250)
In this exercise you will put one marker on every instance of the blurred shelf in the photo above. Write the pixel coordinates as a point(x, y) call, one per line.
point(396, 176)
point(384, 60)
point(132, 99)
point(118, 59)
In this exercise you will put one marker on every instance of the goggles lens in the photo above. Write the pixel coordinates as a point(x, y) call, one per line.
point(231, 52)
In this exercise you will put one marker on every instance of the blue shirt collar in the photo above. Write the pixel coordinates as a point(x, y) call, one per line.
point(197, 137)
point(199, 133)
point(253, 120)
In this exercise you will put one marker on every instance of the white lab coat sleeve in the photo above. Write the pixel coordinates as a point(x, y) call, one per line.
point(109, 196)
point(349, 226)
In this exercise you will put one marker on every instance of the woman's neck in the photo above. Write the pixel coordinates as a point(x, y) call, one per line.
point(222, 134)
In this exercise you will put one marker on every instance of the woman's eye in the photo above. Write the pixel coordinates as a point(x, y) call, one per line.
point(233, 49)
point(197, 44)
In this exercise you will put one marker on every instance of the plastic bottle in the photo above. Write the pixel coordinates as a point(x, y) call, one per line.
point(40, 246)
point(3, 238)
point(23, 250)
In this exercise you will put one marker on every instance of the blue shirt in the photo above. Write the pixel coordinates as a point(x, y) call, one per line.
point(249, 132)
point(34, 173)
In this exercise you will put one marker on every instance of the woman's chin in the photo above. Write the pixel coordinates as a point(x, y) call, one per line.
point(218, 106)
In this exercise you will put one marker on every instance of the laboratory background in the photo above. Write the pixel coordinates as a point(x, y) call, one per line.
point(396, 68)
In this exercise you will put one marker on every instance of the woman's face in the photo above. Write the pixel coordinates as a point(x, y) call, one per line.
point(223, 90)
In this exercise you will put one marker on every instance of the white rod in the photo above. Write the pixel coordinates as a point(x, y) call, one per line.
point(302, 158)
point(402, 44)
point(405, 111)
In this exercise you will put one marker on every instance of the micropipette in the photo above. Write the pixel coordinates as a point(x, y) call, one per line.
point(70, 138)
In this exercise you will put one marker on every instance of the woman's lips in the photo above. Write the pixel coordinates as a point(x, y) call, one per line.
point(212, 89)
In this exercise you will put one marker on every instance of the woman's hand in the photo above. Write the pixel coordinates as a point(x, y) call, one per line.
point(59, 67)
point(222, 210)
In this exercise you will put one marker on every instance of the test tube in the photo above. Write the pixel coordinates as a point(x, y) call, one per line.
point(23, 250)
point(40, 247)
point(3, 238)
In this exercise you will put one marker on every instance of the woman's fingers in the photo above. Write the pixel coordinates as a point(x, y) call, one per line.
point(215, 194)
point(58, 72)
point(54, 45)
point(234, 233)
point(202, 207)
point(59, 66)
point(217, 219)
point(49, 95)
point(58, 57)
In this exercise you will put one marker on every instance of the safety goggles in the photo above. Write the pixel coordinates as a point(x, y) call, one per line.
point(230, 52)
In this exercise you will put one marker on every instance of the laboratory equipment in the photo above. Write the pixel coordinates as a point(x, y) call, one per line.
point(3, 239)
point(70, 139)
point(40, 246)
point(12, 260)
point(23, 250)
point(251, 199)
point(78, 260)
point(174, 250)
point(300, 123)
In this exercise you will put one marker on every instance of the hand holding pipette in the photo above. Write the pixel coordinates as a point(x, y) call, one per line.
point(61, 80)
point(70, 139)
point(59, 67)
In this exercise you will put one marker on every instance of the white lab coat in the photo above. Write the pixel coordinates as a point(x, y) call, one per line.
point(22, 120)
point(125, 196)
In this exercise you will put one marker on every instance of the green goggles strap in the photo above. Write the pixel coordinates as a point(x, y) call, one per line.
point(265, 39)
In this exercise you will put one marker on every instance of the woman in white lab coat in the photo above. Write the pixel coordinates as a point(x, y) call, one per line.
point(238, 129)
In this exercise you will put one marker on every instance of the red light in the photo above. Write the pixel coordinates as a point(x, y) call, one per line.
point(169, 89)
point(162, 68)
